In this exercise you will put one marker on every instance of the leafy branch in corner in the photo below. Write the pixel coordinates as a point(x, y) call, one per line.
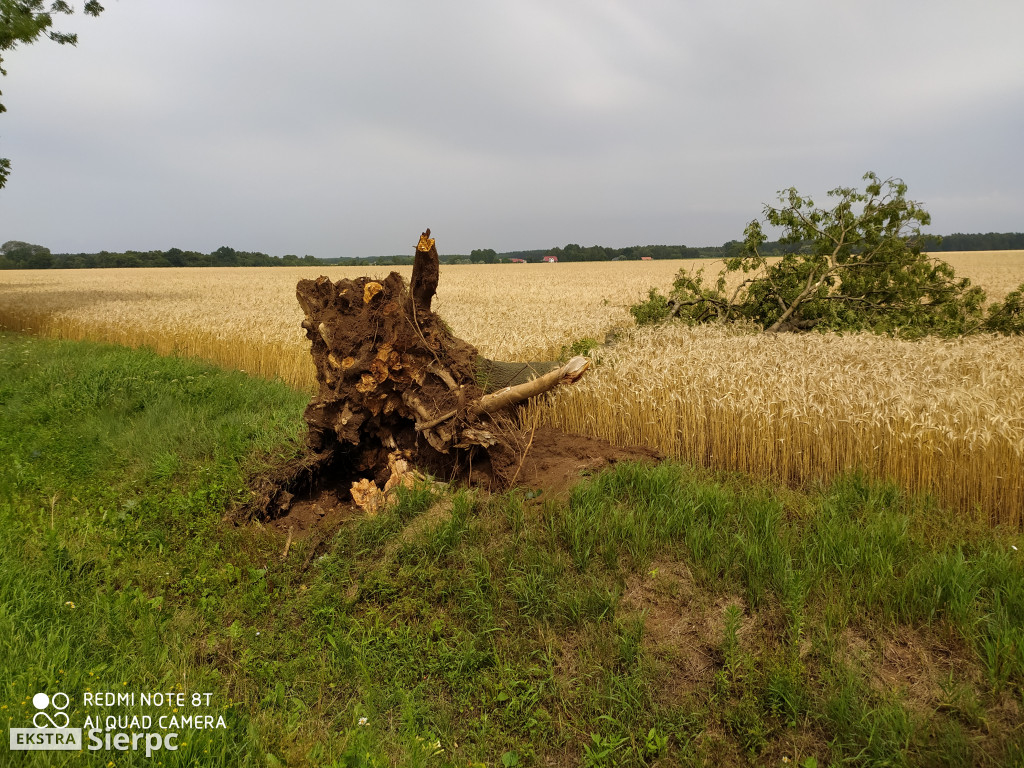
point(23, 21)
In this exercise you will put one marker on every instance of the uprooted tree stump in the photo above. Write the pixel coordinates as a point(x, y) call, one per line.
point(394, 381)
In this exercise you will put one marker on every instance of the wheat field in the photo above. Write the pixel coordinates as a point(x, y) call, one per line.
point(939, 416)
point(248, 318)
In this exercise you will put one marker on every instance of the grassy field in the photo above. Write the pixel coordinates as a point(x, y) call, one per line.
point(939, 417)
point(654, 616)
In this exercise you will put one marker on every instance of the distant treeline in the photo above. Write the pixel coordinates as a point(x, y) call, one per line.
point(573, 252)
point(15, 254)
point(993, 241)
point(18, 255)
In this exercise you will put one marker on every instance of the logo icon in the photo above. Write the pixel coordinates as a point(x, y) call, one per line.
point(51, 722)
point(42, 701)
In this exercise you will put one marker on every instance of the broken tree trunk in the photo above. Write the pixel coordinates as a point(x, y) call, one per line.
point(426, 271)
point(392, 376)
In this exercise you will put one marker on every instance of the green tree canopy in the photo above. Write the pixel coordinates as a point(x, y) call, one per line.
point(15, 254)
point(483, 256)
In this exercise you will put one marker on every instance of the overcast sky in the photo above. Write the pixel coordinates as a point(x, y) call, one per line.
point(344, 128)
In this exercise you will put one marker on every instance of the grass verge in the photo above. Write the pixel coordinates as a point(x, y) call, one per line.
point(653, 616)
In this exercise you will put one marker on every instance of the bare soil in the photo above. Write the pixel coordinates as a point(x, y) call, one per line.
point(552, 462)
point(547, 459)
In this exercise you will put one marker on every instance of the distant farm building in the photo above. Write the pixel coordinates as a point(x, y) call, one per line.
point(518, 261)
point(646, 258)
point(551, 259)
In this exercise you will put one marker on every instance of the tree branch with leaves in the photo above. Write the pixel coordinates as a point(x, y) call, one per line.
point(22, 22)
point(857, 265)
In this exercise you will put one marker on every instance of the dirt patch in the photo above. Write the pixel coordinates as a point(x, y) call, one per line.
point(683, 630)
point(547, 459)
point(323, 509)
point(930, 670)
point(276, 489)
point(909, 662)
point(311, 491)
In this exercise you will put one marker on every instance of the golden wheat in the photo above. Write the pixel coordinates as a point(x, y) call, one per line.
point(998, 272)
point(942, 416)
point(249, 319)
point(937, 416)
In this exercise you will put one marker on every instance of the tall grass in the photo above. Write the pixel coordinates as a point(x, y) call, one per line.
point(936, 416)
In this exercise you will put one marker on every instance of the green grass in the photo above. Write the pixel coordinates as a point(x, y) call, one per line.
point(654, 616)
point(115, 570)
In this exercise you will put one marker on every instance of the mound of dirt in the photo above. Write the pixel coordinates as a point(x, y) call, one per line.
point(552, 462)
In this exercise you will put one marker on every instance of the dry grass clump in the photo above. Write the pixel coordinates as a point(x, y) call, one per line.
point(939, 416)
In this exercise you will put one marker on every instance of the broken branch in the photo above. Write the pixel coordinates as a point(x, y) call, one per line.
point(567, 374)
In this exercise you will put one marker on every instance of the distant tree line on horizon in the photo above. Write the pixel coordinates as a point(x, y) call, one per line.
point(15, 254)
point(19, 255)
point(993, 241)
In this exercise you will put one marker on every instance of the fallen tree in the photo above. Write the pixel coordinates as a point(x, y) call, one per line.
point(859, 265)
point(395, 384)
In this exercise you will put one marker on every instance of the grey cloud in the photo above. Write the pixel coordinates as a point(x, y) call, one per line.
point(340, 128)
